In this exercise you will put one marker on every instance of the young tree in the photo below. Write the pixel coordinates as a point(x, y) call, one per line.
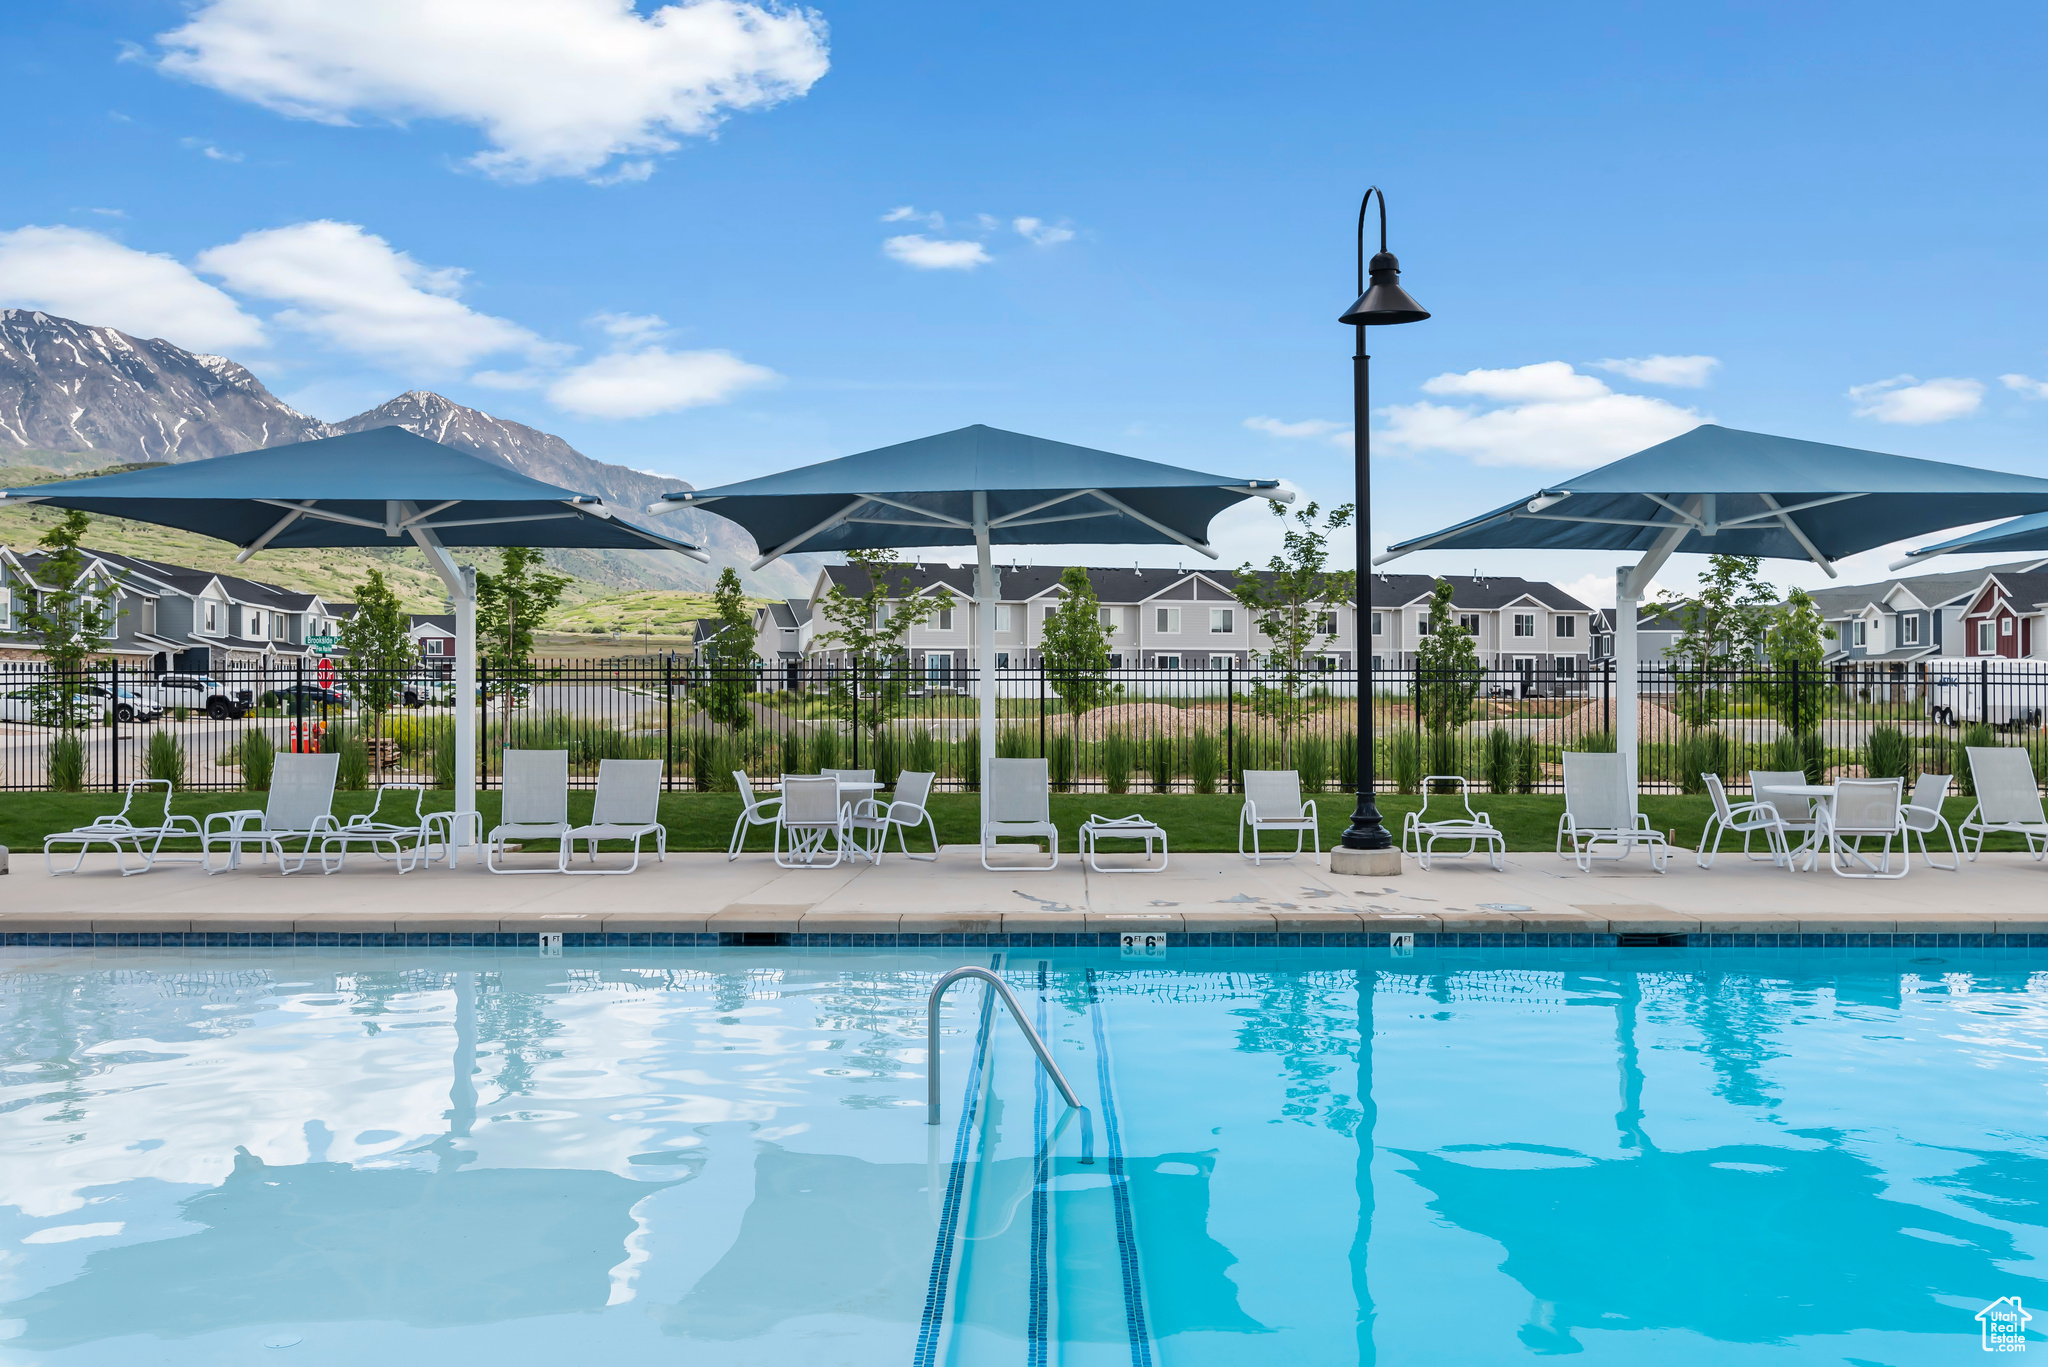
point(1075, 644)
point(1293, 603)
point(377, 652)
point(872, 628)
point(1722, 626)
point(509, 605)
point(1447, 668)
point(70, 620)
point(1795, 644)
point(725, 663)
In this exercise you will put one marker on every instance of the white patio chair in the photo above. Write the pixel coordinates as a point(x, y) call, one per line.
point(811, 817)
point(627, 807)
point(534, 805)
point(1796, 812)
point(394, 825)
point(754, 813)
point(300, 807)
point(1272, 802)
point(1019, 806)
point(2007, 800)
point(1865, 809)
point(135, 823)
point(1760, 814)
point(905, 811)
point(1420, 831)
point(1922, 817)
point(848, 793)
point(1600, 809)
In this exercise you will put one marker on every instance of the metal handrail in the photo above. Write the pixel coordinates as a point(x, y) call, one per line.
point(1052, 1069)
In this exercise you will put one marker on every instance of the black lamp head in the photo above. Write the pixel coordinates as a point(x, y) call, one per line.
point(1384, 301)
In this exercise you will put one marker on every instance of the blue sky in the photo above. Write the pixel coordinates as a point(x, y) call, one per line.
point(666, 234)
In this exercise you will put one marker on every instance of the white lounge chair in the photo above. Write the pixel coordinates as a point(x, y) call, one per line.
point(2007, 800)
point(300, 807)
point(1600, 809)
point(1865, 809)
point(1420, 831)
point(754, 813)
point(1020, 807)
point(132, 826)
point(627, 807)
point(905, 811)
point(1796, 812)
point(1760, 814)
point(394, 820)
point(1922, 817)
point(534, 805)
point(1272, 802)
point(811, 818)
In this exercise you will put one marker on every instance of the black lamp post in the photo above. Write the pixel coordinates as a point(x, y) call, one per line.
point(1380, 303)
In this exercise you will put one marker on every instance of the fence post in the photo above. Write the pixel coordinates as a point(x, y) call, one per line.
point(1607, 696)
point(1984, 690)
point(114, 725)
point(1230, 724)
point(1041, 707)
point(668, 721)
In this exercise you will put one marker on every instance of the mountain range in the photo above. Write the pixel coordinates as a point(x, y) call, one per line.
point(73, 390)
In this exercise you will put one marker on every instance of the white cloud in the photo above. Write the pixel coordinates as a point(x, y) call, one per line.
point(1040, 233)
point(528, 378)
point(632, 327)
point(557, 87)
point(639, 384)
point(2026, 385)
point(1551, 416)
point(1679, 372)
point(908, 213)
point(208, 150)
point(1597, 590)
point(1307, 427)
point(935, 254)
point(93, 279)
point(1903, 399)
point(353, 289)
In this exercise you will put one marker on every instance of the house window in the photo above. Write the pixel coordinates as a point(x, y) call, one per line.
point(434, 645)
point(1002, 617)
point(1168, 624)
point(1002, 659)
point(1987, 644)
point(1326, 623)
point(1567, 667)
point(255, 625)
point(1050, 609)
point(212, 627)
point(1525, 624)
point(938, 669)
point(1106, 616)
point(1166, 661)
point(1221, 621)
point(1326, 664)
point(278, 627)
point(1422, 625)
point(945, 619)
point(1909, 631)
point(1379, 624)
point(1567, 628)
point(1116, 662)
point(2005, 626)
point(1468, 622)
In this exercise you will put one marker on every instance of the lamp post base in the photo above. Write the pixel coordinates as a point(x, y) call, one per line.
point(1365, 863)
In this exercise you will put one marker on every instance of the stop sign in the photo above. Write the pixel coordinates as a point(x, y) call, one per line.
point(324, 671)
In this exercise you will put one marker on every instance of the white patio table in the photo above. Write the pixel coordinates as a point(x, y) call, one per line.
point(1824, 795)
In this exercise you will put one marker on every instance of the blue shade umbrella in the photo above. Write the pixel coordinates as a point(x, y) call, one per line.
point(2022, 534)
point(383, 487)
point(977, 486)
point(1715, 490)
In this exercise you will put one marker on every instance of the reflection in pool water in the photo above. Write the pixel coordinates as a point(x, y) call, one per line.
point(1629, 1156)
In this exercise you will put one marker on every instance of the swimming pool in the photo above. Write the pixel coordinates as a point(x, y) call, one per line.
point(719, 1156)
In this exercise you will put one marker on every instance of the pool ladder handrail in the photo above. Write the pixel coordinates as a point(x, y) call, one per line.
point(1059, 1079)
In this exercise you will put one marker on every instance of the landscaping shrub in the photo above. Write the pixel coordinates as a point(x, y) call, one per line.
point(1405, 750)
point(67, 763)
point(1116, 761)
point(352, 770)
point(1440, 756)
point(1887, 753)
point(1347, 762)
point(1205, 761)
point(1498, 760)
point(1785, 756)
point(1159, 762)
point(703, 748)
point(921, 755)
point(1594, 743)
point(1528, 759)
point(795, 754)
point(1976, 735)
point(1312, 762)
point(258, 757)
point(824, 750)
point(444, 758)
point(1014, 742)
point(165, 758)
point(1700, 752)
point(888, 761)
point(1059, 760)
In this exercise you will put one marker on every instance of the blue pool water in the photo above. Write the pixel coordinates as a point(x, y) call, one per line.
point(719, 1156)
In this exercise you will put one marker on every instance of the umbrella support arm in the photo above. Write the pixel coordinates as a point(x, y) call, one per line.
point(461, 583)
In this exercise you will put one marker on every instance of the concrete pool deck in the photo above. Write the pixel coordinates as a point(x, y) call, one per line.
point(1200, 894)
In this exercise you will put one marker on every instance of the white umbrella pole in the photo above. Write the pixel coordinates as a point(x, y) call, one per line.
point(984, 642)
point(461, 583)
point(1626, 598)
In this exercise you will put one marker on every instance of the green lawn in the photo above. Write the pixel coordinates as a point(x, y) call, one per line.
point(704, 821)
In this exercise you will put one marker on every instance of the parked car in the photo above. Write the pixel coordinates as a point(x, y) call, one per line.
point(197, 693)
point(129, 705)
point(309, 697)
point(38, 703)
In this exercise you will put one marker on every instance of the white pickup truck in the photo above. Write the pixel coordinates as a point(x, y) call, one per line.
point(196, 693)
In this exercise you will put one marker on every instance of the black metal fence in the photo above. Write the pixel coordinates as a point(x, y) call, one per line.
point(1152, 731)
